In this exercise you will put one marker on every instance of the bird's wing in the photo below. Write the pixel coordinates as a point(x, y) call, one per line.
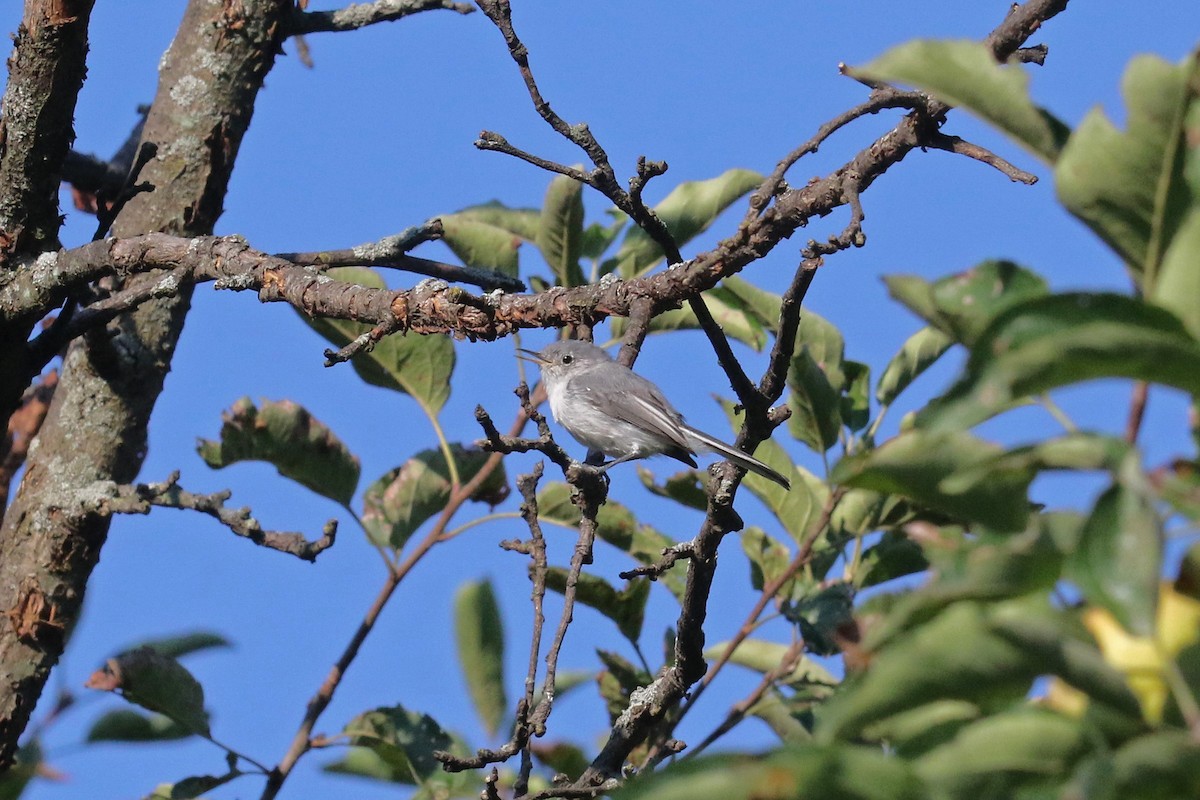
point(635, 400)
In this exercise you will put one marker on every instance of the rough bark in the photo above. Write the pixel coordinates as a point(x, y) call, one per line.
point(96, 427)
point(46, 71)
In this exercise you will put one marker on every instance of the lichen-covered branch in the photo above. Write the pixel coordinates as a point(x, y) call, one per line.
point(360, 15)
point(107, 498)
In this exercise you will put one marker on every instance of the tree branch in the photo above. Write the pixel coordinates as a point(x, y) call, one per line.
point(302, 741)
point(955, 144)
point(107, 498)
point(756, 235)
point(360, 15)
point(392, 251)
point(46, 72)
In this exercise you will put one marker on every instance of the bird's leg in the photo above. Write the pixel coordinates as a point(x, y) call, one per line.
point(616, 461)
point(595, 458)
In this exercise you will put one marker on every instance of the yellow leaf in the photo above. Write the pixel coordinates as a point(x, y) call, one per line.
point(1064, 698)
point(1136, 657)
point(1177, 626)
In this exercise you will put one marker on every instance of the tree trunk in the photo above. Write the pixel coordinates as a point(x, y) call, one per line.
point(96, 429)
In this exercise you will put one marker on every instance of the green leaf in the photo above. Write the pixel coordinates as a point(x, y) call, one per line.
point(893, 556)
point(743, 311)
point(973, 661)
point(858, 512)
point(916, 463)
point(618, 680)
point(616, 525)
point(1022, 746)
point(25, 767)
point(156, 683)
point(419, 366)
point(764, 657)
point(597, 237)
point(364, 762)
point(729, 311)
point(522, 222)
point(482, 245)
point(1179, 484)
point(1128, 186)
point(966, 74)
point(1177, 281)
point(963, 305)
point(1160, 764)
point(626, 607)
point(816, 418)
point(823, 614)
point(916, 355)
point(763, 305)
point(286, 436)
point(404, 740)
point(797, 508)
point(127, 725)
point(768, 557)
point(823, 342)
point(981, 567)
point(1077, 451)
point(1178, 284)
point(400, 501)
point(1063, 339)
point(191, 787)
point(685, 488)
point(687, 211)
point(560, 230)
point(479, 631)
point(920, 729)
point(856, 400)
point(840, 771)
point(562, 758)
point(183, 644)
point(1119, 560)
point(789, 720)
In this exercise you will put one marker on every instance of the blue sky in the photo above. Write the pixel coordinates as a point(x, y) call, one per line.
point(378, 137)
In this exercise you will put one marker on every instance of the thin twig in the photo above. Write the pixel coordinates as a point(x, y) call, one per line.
point(523, 726)
point(852, 235)
point(545, 444)
point(670, 557)
point(641, 313)
point(302, 742)
point(93, 179)
point(882, 98)
point(45, 347)
point(737, 711)
point(392, 251)
point(603, 179)
point(775, 379)
point(1137, 410)
point(955, 144)
point(360, 15)
point(768, 593)
point(527, 485)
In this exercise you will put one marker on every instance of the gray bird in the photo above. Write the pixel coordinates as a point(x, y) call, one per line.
point(610, 408)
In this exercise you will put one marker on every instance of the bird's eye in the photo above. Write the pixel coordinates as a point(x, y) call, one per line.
point(568, 358)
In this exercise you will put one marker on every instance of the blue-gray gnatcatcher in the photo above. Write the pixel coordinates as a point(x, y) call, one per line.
point(610, 408)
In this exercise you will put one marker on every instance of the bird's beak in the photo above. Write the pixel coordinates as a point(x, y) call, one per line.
point(531, 356)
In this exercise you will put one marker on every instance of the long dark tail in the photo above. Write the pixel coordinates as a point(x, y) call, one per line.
point(744, 461)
